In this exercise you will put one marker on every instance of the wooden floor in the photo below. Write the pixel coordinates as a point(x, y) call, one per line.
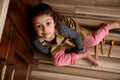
point(109, 68)
point(90, 14)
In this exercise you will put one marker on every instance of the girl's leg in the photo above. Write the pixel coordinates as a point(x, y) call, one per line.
point(97, 36)
point(113, 25)
point(87, 56)
point(62, 59)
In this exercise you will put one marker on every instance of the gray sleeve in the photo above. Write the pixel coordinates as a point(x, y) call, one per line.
point(40, 47)
point(72, 34)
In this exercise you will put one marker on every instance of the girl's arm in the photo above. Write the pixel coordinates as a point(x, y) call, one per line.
point(70, 33)
point(40, 47)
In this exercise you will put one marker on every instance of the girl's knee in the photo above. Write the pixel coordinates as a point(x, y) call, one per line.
point(63, 59)
point(58, 63)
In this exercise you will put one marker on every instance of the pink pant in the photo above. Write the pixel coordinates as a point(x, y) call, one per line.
point(62, 59)
point(96, 37)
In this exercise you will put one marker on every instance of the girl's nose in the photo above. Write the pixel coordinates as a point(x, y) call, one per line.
point(44, 28)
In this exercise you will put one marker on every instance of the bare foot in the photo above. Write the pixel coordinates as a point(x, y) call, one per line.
point(91, 59)
point(113, 25)
point(87, 56)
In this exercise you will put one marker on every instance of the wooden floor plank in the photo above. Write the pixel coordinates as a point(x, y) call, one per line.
point(95, 12)
point(78, 71)
point(58, 76)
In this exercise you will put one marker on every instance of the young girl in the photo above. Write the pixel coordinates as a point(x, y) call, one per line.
point(55, 37)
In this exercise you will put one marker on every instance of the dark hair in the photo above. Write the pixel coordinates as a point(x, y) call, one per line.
point(41, 9)
point(37, 10)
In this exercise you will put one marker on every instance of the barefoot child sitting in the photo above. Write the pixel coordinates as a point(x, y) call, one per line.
point(64, 44)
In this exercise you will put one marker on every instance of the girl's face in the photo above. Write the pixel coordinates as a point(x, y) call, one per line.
point(44, 26)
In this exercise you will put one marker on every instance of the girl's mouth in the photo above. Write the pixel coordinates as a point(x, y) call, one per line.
point(45, 34)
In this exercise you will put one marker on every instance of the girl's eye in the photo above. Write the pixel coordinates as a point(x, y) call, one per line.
point(48, 23)
point(39, 26)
